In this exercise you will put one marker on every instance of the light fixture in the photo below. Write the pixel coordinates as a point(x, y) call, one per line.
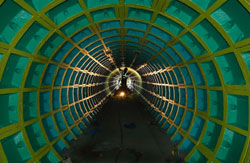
point(122, 94)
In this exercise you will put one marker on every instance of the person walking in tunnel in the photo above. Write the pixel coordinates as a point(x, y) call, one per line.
point(123, 88)
point(124, 78)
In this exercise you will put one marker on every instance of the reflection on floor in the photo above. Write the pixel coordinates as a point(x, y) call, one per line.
point(124, 132)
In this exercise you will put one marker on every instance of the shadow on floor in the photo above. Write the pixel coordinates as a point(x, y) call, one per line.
point(123, 132)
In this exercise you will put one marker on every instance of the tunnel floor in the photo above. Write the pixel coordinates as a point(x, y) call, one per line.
point(124, 132)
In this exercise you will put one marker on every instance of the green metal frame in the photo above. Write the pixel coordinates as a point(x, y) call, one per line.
point(108, 63)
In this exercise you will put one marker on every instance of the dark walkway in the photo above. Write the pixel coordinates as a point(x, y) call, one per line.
point(124, 133)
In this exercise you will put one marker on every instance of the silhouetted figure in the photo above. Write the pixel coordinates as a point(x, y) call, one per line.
point(124, 79)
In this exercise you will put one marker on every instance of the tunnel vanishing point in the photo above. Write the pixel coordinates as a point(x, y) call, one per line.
point(193, 57)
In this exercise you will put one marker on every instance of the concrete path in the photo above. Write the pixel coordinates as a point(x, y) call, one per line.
point(122, 133)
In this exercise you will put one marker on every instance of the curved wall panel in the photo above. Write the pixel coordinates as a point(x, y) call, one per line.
point(192, 55)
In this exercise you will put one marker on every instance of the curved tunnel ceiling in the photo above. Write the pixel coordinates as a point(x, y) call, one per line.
point(192, 55)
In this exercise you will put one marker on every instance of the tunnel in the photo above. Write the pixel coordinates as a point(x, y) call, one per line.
point(57, 58)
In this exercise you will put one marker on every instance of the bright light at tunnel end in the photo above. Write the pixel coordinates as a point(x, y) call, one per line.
point(134, 81)
point(122, 94)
